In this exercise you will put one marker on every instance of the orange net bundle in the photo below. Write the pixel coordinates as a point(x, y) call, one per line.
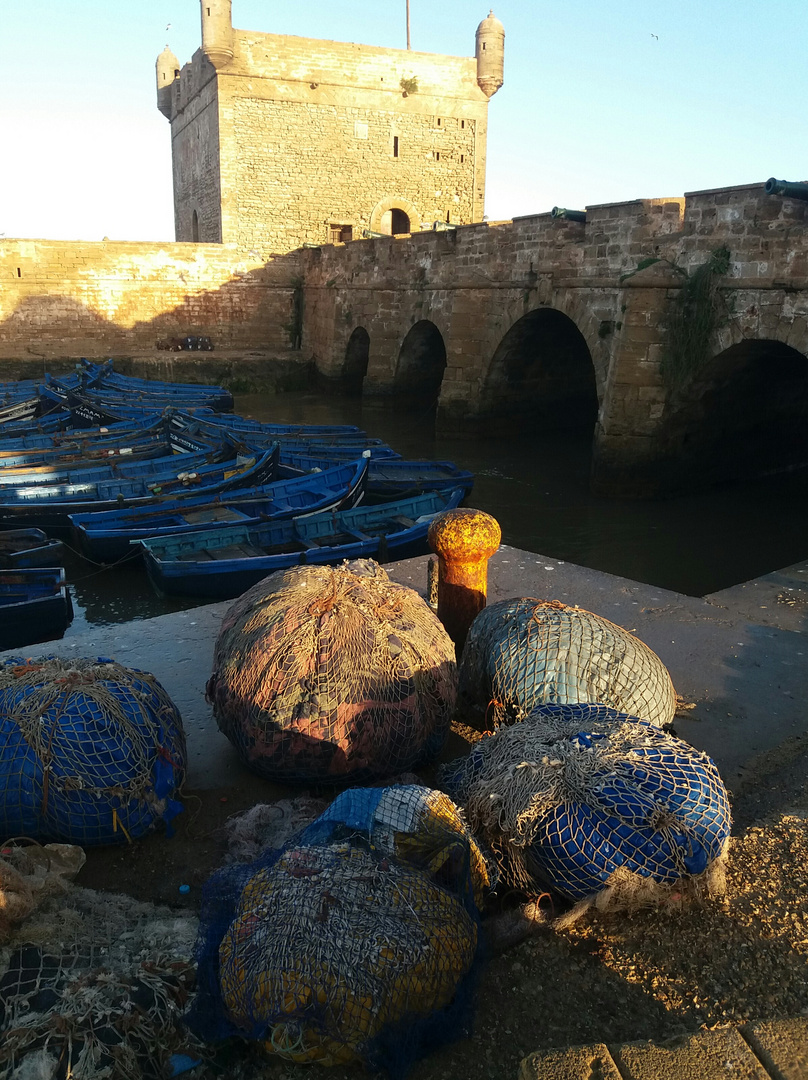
point(333, 674)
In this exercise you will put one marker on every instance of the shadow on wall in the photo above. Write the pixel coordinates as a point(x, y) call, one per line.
point(248, 314)
point(420, 367)
point(745, 414)
point(541, 376)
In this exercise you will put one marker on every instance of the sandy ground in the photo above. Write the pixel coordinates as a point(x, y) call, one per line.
point(650, 975)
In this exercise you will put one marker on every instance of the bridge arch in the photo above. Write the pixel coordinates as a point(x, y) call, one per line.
point(355, 362)
point(542, 373)
point(745, 414)
point(420, 366)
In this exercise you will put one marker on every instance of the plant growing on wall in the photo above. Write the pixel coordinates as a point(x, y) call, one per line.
point(697, 311)
point(409, 86)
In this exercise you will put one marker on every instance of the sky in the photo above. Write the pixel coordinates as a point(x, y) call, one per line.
point(603, 101)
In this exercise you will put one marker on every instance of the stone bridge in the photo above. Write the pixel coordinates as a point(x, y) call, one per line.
point(676, 330)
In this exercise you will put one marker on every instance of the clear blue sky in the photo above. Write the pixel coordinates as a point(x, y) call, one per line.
point(604, 100)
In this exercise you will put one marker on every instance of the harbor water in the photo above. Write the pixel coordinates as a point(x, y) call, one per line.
point(538, 489)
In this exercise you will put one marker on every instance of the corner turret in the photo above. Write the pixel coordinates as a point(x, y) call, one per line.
point(167, 69)
point(217, 31)
point(490, 55)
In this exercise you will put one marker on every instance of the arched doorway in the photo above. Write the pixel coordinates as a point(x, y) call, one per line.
point(355, 366)
point(394, 216)
point(395, 222)
point(745, 414)
point(420, 367)
point(541, 376)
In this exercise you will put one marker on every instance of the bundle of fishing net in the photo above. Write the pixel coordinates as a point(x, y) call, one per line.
point(92, 986)
point(524, 652)
point(91, 752)
point(333, 674)
point(598, 806)
point(356, 941)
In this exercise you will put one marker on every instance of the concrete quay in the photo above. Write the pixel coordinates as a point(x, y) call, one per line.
point(739, 655)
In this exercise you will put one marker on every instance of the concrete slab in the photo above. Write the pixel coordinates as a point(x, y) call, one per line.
point(576, 1063)
point(710, 1055)
point(746, 675)
point(782, 1046)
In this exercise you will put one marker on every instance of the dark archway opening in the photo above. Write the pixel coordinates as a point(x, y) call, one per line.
point(420, 368)
point(355, 367)
point(195, 227)
point(399, 222)
point(541, 378)
point(744, 415)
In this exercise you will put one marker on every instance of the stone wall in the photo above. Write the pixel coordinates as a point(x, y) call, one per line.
point(115, 299)
point(615, 278)
point(195, 155)
point(295, 136)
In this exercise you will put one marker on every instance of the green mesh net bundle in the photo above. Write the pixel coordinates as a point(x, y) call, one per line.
point(333, 674)
point(526, 652)
point(91, 752)
point(355, 942)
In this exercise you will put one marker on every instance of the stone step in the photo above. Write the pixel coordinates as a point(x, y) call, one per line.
point(776, 1049)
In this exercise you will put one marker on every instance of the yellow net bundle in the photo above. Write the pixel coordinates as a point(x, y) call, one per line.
point(358, 940)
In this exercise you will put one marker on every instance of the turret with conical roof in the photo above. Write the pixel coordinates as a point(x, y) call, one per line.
point(490, 54)
point(167, 69)
point(217, 31)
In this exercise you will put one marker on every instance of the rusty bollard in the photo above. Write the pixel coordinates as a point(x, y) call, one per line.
point(464, 541)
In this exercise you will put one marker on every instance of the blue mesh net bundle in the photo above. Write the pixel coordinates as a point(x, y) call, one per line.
point(91, 752)
point(356, 941)
point(525, 652)
point(333, 674)
point(593, 803)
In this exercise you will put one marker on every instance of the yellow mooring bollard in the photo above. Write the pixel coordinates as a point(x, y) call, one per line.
point(464, 540)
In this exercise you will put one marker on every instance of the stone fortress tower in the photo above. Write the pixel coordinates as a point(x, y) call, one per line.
point(279, 141)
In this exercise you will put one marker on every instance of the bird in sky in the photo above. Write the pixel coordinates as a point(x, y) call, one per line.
point(654, 36)
point(168, 27)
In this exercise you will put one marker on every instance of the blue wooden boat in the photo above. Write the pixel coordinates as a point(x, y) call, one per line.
point(48, 506)
point(223, 563)
point(86, 454)
point(21, 549)
point(109, 387)
point(108, 537)
point(104, 377)
point(390, 478)
point(35, 606)
point(233, 422)
point(65, 439)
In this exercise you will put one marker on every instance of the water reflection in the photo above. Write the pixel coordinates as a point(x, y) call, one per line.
point(538, 489)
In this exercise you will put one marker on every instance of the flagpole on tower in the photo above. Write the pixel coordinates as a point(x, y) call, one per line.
point(408, 25)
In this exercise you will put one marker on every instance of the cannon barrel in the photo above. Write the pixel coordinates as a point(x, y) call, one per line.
point(568, 215)
point(789, 189)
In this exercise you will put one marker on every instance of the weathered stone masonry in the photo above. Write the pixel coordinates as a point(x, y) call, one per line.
point(478, 283)
point(279, 141)
point(476, 286)
point(61, 299)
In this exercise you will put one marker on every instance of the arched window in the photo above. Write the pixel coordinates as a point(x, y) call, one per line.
point(195, 227)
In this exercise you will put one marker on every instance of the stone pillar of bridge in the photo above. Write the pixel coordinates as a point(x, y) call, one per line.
point(627, 453)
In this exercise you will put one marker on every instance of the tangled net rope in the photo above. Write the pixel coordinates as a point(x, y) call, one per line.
point(356, 941)
point(92, 986)
point(333, 673)
point(91, 752)
point(588, 801)
point(522, 653)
